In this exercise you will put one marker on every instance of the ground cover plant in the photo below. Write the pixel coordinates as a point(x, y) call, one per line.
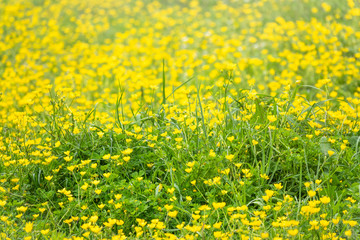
point(179, 119)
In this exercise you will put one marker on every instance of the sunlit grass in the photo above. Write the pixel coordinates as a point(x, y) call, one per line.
point(179, 119)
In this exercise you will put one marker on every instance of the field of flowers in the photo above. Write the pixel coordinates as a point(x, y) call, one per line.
point(180, 119)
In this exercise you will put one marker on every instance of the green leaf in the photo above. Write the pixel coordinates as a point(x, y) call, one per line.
point(325, 145)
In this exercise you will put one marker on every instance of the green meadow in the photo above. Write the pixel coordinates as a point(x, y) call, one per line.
point(179, 119)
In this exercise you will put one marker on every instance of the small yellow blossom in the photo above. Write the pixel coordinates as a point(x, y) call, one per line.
point(218, 205)
point(325, 200)
point(311, 193)
point(28, 227)
point(330, 152)
point(172, 214)
point(293, 232)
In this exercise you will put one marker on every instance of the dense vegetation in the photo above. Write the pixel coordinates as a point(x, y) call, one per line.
point(179, 119)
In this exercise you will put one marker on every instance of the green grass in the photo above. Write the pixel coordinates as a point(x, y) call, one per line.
point(179, 120)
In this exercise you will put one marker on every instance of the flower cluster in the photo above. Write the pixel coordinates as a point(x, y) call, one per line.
point(184, 120)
